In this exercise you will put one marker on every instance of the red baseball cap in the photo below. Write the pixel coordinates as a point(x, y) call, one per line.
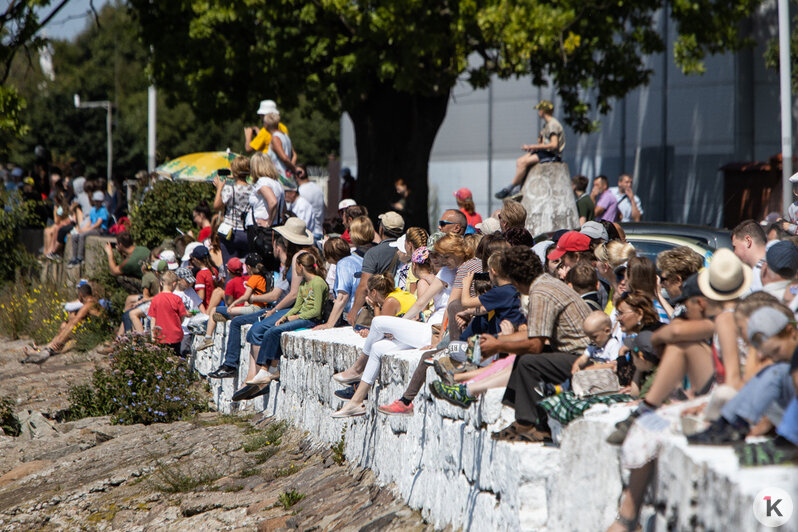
point(463, 194)
point(570, 241)
point(234, 265)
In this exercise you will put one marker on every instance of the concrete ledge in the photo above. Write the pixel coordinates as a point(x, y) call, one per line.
point(443, 462)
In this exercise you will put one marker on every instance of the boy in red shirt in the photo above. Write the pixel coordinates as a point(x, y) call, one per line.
point(167, 312)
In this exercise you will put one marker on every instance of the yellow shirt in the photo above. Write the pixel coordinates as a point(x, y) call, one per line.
point(263, 138)
point(405, 299)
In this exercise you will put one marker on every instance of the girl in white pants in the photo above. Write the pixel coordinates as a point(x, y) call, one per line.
point(404, 333)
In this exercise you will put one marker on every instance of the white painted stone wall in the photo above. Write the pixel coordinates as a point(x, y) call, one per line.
point(443, 462)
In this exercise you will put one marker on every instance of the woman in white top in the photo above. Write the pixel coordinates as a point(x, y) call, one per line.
point(233, 200)
point(281, 151)
point(267, 201)
point(388, 333)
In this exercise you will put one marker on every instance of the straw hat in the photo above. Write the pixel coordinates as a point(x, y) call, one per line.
point(725, 278)
point(296, 232)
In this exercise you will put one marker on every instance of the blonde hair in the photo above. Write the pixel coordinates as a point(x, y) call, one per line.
point(614, 252)
point(169, 278)
point(472, 243)
point(452, 244)
point(361, 231)
point(417, 237)
point(261, 166)
point(513, 213)
point(271, 120)
point(681, 261)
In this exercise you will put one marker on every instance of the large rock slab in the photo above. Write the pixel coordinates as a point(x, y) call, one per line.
point(548, 199)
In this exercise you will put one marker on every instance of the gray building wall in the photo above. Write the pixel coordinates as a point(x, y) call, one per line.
point(728, 114)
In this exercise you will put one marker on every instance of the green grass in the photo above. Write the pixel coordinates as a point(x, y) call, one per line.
point(338, 449)
point(289, 498)
point(286, 471)
point(171, 479)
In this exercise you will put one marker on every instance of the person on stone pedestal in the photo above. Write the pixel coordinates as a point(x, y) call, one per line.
point(549, 148)
point(629, 206)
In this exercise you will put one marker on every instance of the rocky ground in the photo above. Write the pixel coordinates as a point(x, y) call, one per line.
point(213, 472)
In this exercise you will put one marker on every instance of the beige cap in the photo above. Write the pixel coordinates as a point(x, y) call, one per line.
point(392, 220)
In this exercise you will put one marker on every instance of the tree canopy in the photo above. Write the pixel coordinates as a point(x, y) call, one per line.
point(391, 64)
point(108, 61)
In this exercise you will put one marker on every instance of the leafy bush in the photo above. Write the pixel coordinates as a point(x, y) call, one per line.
point(14, 215)
point(91, 332)
point(9, 423)
point(166, 207)
point(289, 498)
point(31, 310)
point(107, 287)
point(146, 384)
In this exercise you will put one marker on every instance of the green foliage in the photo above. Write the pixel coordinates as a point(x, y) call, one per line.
point(342, 53)
point(290, 498)
point(19, 214)
point(108, 61)
point(11, 126)
point(172, 479)
point(9, 423)
point(146, 384)
point(91, 332)
point(109, 288)
point(338, 449)
point(267, 442)
point(286, 471)
point(772, 55)
point(33, 310)
point(165, 207)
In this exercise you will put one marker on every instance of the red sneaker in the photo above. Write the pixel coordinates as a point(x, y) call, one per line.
point(397, 408)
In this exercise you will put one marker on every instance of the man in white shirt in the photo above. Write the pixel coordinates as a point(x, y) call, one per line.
point(629, 206)
point(315, 196)
point(748, 243)
point(300, 207)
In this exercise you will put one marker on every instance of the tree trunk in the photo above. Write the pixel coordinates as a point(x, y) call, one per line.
point(394, 133)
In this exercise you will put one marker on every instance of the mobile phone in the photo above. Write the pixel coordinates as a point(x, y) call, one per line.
point(482, 276)
point(224, 172)
point(113, 245)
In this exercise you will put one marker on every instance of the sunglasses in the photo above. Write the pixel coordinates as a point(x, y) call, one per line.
point(442, 223)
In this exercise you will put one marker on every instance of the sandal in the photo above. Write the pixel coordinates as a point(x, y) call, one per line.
point(350, 411)
point(629, 525)
point(506, 433)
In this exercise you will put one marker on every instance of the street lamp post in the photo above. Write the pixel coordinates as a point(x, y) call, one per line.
point(106, 104)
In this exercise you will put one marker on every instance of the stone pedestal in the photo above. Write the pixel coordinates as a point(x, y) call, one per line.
point(548, 199)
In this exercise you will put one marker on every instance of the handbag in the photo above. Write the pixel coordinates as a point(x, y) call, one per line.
point(594, 382)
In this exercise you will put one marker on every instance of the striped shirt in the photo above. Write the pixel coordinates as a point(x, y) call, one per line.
point(556, 312)
point(469, 266)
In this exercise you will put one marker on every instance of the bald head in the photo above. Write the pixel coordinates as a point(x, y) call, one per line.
point(596, 321)
point(453, 221)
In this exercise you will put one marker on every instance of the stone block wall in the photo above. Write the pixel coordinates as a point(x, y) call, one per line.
point(443, 462)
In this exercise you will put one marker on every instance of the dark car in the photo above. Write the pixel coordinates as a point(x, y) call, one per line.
point(709, 237)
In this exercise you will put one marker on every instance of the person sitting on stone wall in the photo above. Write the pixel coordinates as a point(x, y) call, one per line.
point(90, 307)
point(551, 143)
point(128, 272)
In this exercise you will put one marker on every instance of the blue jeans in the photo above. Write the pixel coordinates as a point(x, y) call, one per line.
point(256, 332)
point(233, 352)
point(771, 387)
point(270, 348)
point(238, 246)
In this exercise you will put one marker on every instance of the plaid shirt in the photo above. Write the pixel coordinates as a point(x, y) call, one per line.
point(556, 312)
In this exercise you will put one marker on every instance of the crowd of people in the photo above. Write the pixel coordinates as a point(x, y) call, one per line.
point(573, 319)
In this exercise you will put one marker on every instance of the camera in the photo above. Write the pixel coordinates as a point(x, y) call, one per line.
point(482, 276)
